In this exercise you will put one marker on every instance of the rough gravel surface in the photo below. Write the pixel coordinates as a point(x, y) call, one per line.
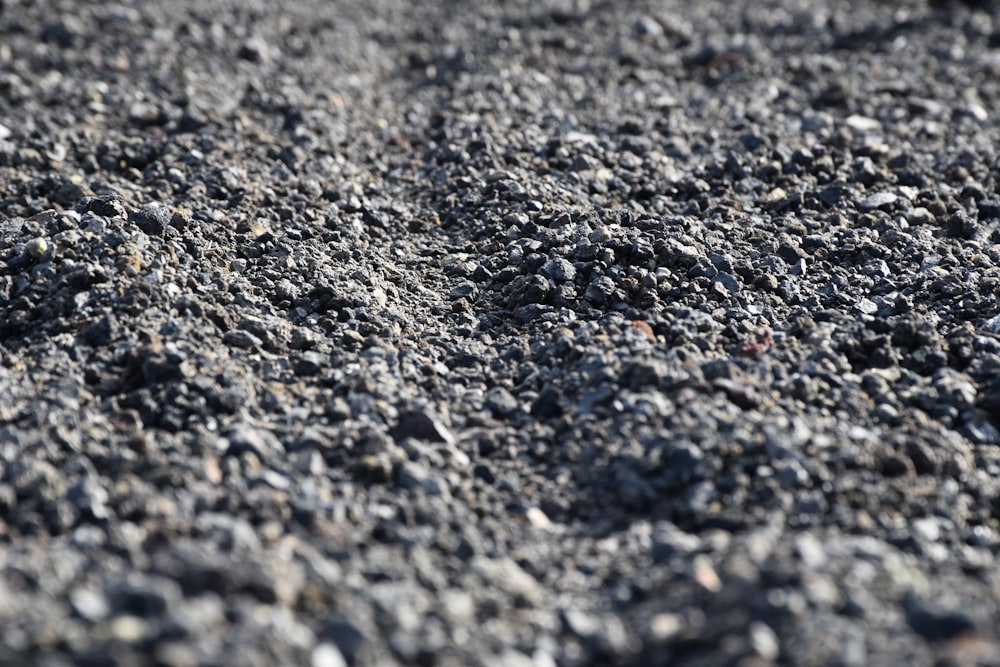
point(548, 332)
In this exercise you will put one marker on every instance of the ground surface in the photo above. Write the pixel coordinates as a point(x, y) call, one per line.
point(559, 332)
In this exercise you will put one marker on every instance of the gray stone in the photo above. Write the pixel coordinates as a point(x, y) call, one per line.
point(559, 270)
point(414, 476)
point(153, 218)
point(422, 425)
point(501, 402)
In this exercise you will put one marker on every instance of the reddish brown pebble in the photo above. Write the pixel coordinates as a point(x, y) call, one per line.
point(644, 328)
point(760, 344)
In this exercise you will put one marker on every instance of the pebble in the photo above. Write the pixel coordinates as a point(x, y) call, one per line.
point(509, 577)
point(90, 605)
point(936, 624)
point(581, 623)
point(600, 290)
point(346, 635)
point(261, 443)
point(866, 306)
point(811, 551)
point(466, 290)
point(728, 282)
point(327, 655)
point(537, 518)
point(664, 627)
point(648, 27)
point(764, 642)
point(153, 219)
point(706, 575)
point(244, 340)
point(669, 541)
point(128, 629)
point(413, 476)
point(90, 498)
point(989, 208)
point(879, 200)
point(310, 364)
point(37, 247)
point(559, 270)
point(501, 402)
point(860, 123)
point(422, 425)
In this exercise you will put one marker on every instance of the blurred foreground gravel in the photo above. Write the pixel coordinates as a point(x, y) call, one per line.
point(560, 332)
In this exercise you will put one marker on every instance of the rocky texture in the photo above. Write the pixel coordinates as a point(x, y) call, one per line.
point(560, 332)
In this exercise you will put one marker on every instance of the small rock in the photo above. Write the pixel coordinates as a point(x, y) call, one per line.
point(548, 405)
point(740, 393)
point(934, 624)
point(791, 474)
point(684, 462)
point(422, 425)
point(862, 124)
point(764, 641)
point(989, 209)
point(327, 655)
point(414, 476)
point(537, 518)
point(128, 629)
point(833, 195)
point(811, 551)
point(37, 247)
point(730, 283)
point(648, 372)
point(928, 528)
point(310, 364)
point(663, 627)
point(866, 306)
point(705, 575)
point(242, 339)
point(977, 111)
point(920, 216)
point(90, 497)
point(255, 50)
point(894, 464)
point(90, 605)
point(670, 541)
point(248, 439)
point(465, 290)
point(501, 402)
point(647, 27)
point(559, 269)
point(879, 200)
point(600, 289)
point(581, 623)
point(152, 219)
point(106, 206)
point(143, 596)
point(704, 268)
point(508, 576)
point(756, 346)
point(345, 634)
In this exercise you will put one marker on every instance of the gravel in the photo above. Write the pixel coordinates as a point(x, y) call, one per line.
point(561, 332)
